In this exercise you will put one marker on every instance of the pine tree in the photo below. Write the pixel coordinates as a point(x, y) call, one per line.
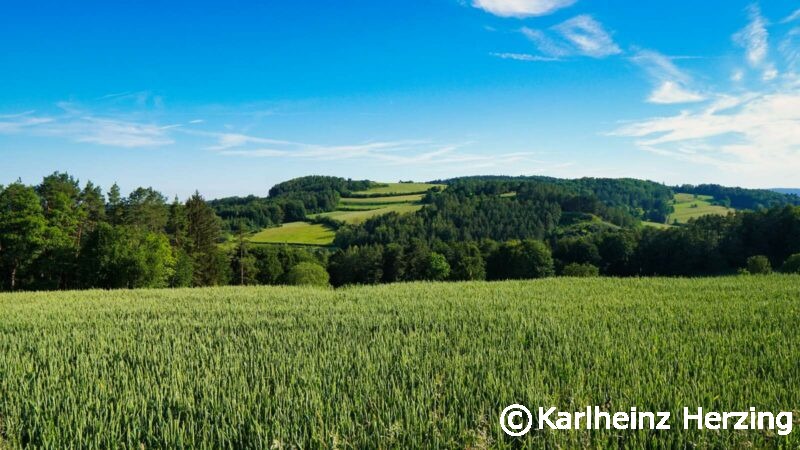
point(204, 231)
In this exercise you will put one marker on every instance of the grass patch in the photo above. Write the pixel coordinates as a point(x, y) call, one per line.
point(295, 233)
point(356, 217)
point(399, 189)
point(380, 201)
point(688, 206)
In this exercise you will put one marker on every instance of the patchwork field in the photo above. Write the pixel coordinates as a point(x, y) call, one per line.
point(688, 206)
point(394, 366)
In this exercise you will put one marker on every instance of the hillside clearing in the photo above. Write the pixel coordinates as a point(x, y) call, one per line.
point(399, 189)
point(688, 206)
point(295, 233)
point(356, 217)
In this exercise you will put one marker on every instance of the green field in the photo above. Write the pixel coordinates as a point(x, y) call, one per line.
point(295, 233)
point(399, 188)
point(395, 366)
point(380, 201)
point(355, 217)
point(688, 206)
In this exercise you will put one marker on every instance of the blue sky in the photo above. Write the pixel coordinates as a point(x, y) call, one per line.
point(232, 97)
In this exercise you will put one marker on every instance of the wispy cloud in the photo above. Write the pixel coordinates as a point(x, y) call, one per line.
point(524, 57)
point(754, 132)
point(669, 93)
point(17, 123)
point(792, 17)
point(588, 36)
point(580, 36)
point(387, 153)
point(521, 8)
point(754, 38)
point(671, 84)
point(82, 126)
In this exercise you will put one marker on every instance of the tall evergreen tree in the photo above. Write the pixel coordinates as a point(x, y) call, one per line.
point(115, 209)
point(204, 231)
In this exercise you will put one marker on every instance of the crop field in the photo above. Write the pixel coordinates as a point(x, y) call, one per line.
point(688, 206)
point(395, 366)
point(295, 233)
point(399, 189)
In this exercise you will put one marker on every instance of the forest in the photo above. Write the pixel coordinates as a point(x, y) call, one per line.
point(61, 235)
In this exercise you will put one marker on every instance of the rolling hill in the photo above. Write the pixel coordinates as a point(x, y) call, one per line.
point(357, 207)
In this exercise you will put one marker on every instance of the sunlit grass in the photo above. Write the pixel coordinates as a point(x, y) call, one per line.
point(394, 366)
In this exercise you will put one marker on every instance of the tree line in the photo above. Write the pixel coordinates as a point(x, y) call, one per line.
point(60, 234)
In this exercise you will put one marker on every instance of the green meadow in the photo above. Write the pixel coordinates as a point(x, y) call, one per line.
point(303, 233)
point(394, 366)
point(688, 206)
point(389, 189)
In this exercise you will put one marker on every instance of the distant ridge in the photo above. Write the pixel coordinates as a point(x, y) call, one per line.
point(787, 191)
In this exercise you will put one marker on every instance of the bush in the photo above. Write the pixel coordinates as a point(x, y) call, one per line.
point(792, 264)
point(580, 270)
point(307, 274)
point(438, 268)
point(759, 265)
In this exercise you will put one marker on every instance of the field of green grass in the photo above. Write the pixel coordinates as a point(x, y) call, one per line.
point(295, 233)
point(356, 217)
point(395, 366)
point(688, 206)
point(399, 188)
point(379, 201)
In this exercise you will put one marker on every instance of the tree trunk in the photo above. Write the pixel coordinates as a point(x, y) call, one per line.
point(13, 277)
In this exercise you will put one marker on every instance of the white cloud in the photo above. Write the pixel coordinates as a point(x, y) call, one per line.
point(792, 17)
point(588, 36)
point(521, 8)
point(756, 134)
point(546, 44)
point(80, 126)
point(388, 153)
point(790, 48)
point(16, 123)
point(754, 38)
point(115, 133)
point(581, 35)
point(672, 85)
point(671, 92)
point(524, 57)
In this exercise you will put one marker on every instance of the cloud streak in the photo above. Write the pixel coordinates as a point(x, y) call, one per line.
point(524, 57)
point(754, 39)
point(671, 84)
point(588, 36)
point(387, 153)
point(580, 36)
point(87, 128)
